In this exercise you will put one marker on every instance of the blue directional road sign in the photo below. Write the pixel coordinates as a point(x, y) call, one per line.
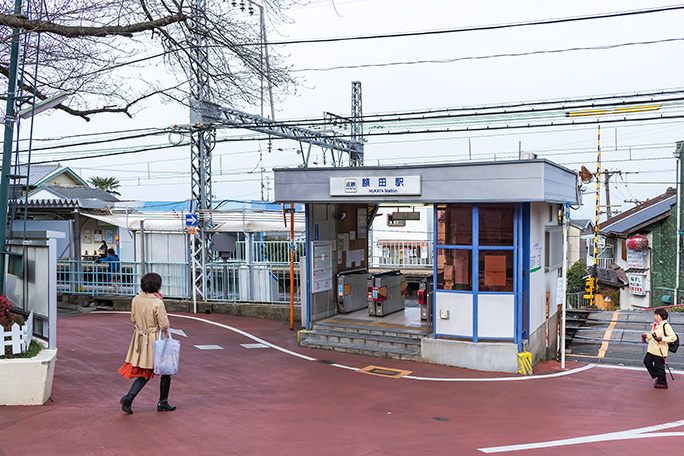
point(190, 219)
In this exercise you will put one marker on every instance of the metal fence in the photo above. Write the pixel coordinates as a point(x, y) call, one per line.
point(228, 281)
point(401, 253)
point(576, 300)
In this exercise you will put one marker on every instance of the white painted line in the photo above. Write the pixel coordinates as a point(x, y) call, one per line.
point(342, 366)
point(254, 345)
point(411, 377)
point(503, 379)
point(632, 368)
point(209, 347)
point(178, 332)
point(640, 433)
point(246, 334)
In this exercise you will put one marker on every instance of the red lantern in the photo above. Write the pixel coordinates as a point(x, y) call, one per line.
point(637, 243)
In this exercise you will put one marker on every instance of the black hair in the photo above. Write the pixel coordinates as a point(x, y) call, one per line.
point(111, 251)
point(151, 282)
point(662, 312)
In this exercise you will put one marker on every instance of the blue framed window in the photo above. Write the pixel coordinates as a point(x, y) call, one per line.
point(477, 252)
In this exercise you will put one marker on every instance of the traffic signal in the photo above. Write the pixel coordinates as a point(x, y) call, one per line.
point(589, 288)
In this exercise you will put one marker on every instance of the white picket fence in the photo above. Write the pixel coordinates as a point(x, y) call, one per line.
point(18, 337)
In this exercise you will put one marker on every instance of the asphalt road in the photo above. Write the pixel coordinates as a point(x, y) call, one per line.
point(246, 388)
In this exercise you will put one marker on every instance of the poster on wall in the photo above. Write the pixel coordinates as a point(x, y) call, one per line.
point(98, 236)
point(636, 284)
point(535, 257)
point(321, 266)
point(361, 217)
point(109, 237)
point(87, 236)
point(636, 260)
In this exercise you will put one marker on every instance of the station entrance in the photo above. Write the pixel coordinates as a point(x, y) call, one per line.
point(495, 241)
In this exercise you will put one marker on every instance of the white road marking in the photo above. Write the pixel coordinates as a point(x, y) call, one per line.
point(209, 347)
point(254, 345)
point(641, 433)
point(178, 332)
point(411, 377)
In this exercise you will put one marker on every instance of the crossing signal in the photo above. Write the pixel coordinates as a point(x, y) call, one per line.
point(589, 288)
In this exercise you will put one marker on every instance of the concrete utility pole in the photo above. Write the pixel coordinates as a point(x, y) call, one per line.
point(609, 210)
point(7, 146)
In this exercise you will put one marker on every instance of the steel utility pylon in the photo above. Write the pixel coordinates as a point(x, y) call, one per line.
point(201, 144)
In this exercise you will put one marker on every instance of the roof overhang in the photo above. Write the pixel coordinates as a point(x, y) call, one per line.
point(482, 182)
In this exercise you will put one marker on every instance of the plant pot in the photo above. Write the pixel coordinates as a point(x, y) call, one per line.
point(27, 381)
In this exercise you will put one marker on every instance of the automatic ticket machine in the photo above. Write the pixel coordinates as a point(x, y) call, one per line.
point(386, 292)
point(351, 290)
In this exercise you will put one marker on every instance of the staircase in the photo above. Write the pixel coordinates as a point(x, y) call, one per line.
point(368, 340)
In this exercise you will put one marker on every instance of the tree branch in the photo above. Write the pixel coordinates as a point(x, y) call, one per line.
point(23, 23)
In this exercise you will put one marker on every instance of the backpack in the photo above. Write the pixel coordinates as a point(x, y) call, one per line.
point(672, 346)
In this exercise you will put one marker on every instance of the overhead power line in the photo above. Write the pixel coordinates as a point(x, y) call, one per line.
point(480, 28)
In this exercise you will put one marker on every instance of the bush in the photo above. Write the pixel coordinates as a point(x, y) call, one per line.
point(6, 317)
point(576, 277)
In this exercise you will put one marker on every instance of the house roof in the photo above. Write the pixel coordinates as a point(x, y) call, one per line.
point(582, 224)
point(72, 193)
point(644, 214)
point(38, 174)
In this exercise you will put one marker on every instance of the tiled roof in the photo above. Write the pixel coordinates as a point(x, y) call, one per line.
point(640, 215)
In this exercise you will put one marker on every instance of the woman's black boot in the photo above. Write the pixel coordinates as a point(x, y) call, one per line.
point(127, 400)
point(164, 386)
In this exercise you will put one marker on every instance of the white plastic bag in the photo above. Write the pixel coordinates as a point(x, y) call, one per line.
point(166, 355)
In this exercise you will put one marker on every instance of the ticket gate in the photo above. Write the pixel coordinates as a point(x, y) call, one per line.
point(351, 290)
point(386, 293)
point(425, 295)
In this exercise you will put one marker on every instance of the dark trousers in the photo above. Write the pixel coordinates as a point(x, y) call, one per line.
point(656, 367)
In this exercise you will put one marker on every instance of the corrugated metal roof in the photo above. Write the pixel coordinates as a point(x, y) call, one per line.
point(639, 216)
point(73, 193)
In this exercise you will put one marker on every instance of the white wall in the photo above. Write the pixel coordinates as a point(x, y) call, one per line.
point(415, 230)
point(162, 247)
point(628, 300)
point(541, 281)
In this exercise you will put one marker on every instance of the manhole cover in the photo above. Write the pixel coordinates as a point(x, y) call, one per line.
point(384, 371)
point(326, 361)
point(441, 418)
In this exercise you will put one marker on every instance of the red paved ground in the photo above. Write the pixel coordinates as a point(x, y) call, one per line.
point(239, 401)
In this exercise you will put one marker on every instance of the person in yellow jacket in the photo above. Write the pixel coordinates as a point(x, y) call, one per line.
point(148, 314)
point(657, 347)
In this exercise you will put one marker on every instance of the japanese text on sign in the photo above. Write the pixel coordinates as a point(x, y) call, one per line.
point(376, 185)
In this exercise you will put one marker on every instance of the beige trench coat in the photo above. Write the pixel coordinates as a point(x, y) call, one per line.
point(148, 314)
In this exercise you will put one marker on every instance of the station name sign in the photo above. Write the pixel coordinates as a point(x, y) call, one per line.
point(375, 186)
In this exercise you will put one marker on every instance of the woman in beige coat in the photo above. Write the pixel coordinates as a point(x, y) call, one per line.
point(148, 314)
point(657, 350)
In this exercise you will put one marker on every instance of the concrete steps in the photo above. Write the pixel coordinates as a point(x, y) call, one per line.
point(381, 342)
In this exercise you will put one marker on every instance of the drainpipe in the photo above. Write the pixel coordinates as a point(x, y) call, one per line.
point(564, 280)
point(142, 247)
point(678, 154)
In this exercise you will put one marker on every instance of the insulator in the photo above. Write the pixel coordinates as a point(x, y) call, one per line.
point(251, 9)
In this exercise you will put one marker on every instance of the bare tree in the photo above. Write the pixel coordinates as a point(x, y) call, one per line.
point(112, 54)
